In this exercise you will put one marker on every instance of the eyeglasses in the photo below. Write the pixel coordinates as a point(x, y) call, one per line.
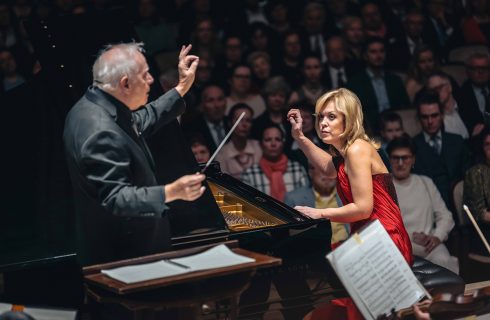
point(400, 158)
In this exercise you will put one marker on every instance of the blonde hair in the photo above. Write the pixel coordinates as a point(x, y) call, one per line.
point(347, 103)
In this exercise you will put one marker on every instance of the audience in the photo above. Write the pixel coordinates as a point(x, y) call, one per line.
point(338, 70)
point(440, 83)
point(422, 65)
point(377, 88)
point(442, 156)
point(477, 22)
point(9, 74)
point(321, 194)
point(391, 127)
point(426, 217)
point(353, 34)
point(275, 174)
point(477, 194)
point(241, 152)
point(199, 149)
point(289, 65)
point(240, 90)
point(312, 87)
point(210, 123)
point(475, 99)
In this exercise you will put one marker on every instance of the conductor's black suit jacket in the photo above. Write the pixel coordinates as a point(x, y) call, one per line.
point(118, 203)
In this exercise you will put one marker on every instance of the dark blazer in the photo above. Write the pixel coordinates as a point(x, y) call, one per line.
point(199, 126)
point(445, 169)
point(119, 205)
point(361, 85)
point(351, 68)
point(468, 107)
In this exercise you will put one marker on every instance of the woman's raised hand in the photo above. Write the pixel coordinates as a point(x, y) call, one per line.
point(294, 117)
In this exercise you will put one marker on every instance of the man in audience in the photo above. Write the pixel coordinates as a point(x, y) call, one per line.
point(321, 194)
point(211, 122)
point(338, 69)
point(289, 64)
point(401, 50)
point(315, 33)
point(440, 83)
point(425, 216)
point(474, 94)
point(442, 156)
point(9, 74)
point(353, 34)
point(233, 55)
point(377, 89)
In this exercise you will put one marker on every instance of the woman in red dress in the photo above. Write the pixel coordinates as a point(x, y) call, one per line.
point(363, 182)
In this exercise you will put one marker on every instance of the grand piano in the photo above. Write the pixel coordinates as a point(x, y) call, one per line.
point(38, 259)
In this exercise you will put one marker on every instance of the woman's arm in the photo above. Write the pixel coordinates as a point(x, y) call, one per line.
point(315, 155)
point(358, 165)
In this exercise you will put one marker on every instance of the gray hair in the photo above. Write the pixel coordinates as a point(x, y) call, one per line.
point(275, 85)
point(108, 71)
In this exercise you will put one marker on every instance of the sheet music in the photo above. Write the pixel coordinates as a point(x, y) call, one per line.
point(375, 273)
point(216, 257)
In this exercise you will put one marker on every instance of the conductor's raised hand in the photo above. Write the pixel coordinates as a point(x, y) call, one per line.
point(187, 70)
point(294, 117)
point(188, 187)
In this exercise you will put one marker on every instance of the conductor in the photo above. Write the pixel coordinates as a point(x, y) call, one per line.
point(120, 208)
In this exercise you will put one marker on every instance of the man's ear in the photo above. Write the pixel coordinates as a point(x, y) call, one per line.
point(124, 83)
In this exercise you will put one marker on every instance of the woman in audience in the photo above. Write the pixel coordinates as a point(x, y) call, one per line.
point(260, 63)
point(423, 63)
point(204, 40)
point(424, 213)
point(312, 87)
point(276, 92)
point(240, 153)
point(240, 90)
point(275, 174)
point(477, 193)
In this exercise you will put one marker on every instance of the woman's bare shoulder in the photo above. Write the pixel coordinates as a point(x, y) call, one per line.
point(360, 148)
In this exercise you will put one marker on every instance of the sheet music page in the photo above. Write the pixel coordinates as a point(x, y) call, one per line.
point(216, 257)
point(375, 273)
point(144, 272)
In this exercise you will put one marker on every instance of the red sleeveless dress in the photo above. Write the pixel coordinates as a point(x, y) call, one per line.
point(386, 210)
point(385, 207)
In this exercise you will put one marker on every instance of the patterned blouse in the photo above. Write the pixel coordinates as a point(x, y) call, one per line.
point(477, 189)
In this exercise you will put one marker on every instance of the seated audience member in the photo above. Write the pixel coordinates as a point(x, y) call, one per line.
point(261, 39)
point(321, 194)
point(315, 30)
point(232, 55)
point(477, 194)
point(277, 13)
point(240, 152)
point(240, 90)
point(353, 34)
point(275, 174)
point(474, 93)
point(338, 69)
point(205, 41)
point(306, 109)
point(275, 91)
point(426, 217)
point(374, 24)
point(440, 82)
point(199, 149)
point(211, 122)
point(422, 65)
point(401, 50)
point(476, 25)
point(390, 127)
point(442, 156)
point(439, 26)
point(289, 66)
point(377, 88)
point(10, 76)
point(260, 63)
point(312, 87)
